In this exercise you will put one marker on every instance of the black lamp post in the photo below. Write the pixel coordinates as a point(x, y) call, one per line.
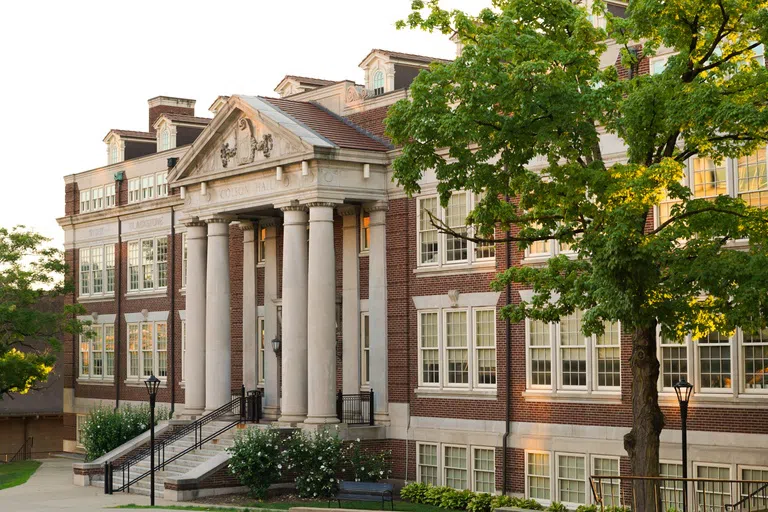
point(152, 384)
point(684, 390)
point(276, 345)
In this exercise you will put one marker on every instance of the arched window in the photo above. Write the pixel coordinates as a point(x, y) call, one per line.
point(113, 153)
point(378, 83)
point(165, 140)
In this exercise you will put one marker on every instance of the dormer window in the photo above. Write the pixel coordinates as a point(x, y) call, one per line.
point(378, 82)
point(165, 140)
point(113, 153)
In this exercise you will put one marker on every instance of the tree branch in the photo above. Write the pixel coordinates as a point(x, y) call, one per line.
point(684, 215)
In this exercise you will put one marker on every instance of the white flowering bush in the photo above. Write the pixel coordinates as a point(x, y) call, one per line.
point(366, 466)
point(257, 459)
point(106, 428)
point(317, 460)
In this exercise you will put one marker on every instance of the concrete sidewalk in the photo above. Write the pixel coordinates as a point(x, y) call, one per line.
point(51, 488)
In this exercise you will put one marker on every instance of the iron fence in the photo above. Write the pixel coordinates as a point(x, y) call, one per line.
point(355, 409)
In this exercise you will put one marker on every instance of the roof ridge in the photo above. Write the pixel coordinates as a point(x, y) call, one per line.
point(349, 123)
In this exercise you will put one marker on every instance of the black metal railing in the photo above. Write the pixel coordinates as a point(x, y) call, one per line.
point(25, 452)
point(246, 407)
point(355, 409)
point(703, 494)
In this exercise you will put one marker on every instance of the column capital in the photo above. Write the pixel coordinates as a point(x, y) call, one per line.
point(246, 225)
point(378, 206)
point(321, 204)
point(347, 209)
point(269, 222)
point(219, 219)
point(294, 208)
point(194, 222)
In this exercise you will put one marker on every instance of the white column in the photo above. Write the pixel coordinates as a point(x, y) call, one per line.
point(271, 376)
point(250, 350)
point(377, 310)
point(194, 359)
point(321, 317)
point(350, 316)
point(218, 360)
point(294, 343)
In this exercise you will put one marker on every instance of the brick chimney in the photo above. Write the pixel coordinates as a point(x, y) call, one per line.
point(168, 105)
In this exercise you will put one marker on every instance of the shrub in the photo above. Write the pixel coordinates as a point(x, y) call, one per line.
point(366, 466)
point(501, 501)
point(257, 459)
point(480, 503)
point(456, 500)
point(434, 495)
point(414, 492)
point(316, 459)
point(587, 508)
point(556, 506)
point(105, 428)
point(528, 504)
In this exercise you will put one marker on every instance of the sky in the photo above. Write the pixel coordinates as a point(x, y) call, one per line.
point(74, 70)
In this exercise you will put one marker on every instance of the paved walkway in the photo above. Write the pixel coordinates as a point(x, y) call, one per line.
point(51, 488)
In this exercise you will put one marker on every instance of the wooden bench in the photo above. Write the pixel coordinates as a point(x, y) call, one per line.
point(365, 491)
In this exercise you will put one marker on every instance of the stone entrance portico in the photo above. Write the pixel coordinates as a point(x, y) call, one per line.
point(256, 165)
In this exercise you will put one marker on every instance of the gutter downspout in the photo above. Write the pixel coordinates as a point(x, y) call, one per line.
point(508, 350)
point(118, 288)
point(172, 323)
point(408, 335)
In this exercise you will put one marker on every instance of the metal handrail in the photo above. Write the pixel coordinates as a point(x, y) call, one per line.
point(240, 402)
point(750, 496)
point(352, 409)
point(25, 452)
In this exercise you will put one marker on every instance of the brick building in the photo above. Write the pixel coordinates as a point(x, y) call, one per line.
point(278, 219)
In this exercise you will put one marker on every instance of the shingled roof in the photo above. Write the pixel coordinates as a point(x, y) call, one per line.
point(406, 56)
point(309, 80)
point(133, 134)
point(333, 128)
point(186, 119)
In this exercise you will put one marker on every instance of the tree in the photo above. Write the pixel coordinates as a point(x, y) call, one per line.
point(30, 274)
point(529, 83)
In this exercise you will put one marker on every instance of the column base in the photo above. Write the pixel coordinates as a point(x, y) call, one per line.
point(271, 413)
point(321, 420)
point(291, 419)
point(192, 414)
point(381, 418)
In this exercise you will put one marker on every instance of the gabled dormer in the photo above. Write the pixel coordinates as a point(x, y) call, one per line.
point(387, 71)
point(174, 130)
point(293, 84)
point(126, 144)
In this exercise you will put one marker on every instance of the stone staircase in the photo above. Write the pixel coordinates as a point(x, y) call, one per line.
point(180, 466)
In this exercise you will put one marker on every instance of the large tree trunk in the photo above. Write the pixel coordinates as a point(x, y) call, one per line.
point(642, 442)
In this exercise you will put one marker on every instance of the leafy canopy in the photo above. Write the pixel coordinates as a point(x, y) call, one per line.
point(31, 321)
point(530, 83)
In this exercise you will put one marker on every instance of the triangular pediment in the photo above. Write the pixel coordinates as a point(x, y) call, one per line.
point(247, 131)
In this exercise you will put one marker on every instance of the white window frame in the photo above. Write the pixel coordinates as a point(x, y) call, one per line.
point(697, 365)
point(109, 196)
point(184, 260)
point(140, 265)
point(469, 450)
point(596, 360)
point(80, 420)
point(550, 476)
point(114, 153)
point(365, 352)
point(139, 375)
point(105, 260)
point(740, 476)
point(147, 187)
point(742, 361)
point(161, 184)
point(593, 459)
point(473, 469)
point(85, 201)
point(442, 244)
point(658, 59)
point(261, 245)
point(419, 446)
point(476, 349)
point(134, 190)
point(88, 342)
point(677, 486)
point(443, 451)
point(97, 199)
point(183, 350)
point(443, 384)
point(583, 457)
point(378, 91)
point(695, 487)
point(261, 348)
point(365, 232)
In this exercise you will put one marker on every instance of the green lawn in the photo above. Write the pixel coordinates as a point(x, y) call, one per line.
point(16, 473)
point(400, 506)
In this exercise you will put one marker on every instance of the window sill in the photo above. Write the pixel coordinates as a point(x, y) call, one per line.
point(95, 298)
point(147, 295)
point(536, 261)
point(365, 253)
point(261, 264)
point(711, 400)
point(135, 383)
point(482, 267)
point(580, 397)
point(463, 394)
point(83, 381)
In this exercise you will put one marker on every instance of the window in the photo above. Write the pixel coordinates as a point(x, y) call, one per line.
point(428, 464)
point(759, 56)
point(147, 350)
point(85, 271)
point(147, 187)
point(109, 196)
point(262, 362)
point(97, 198)
point(365, 231)
point(674, 362)
point(537, 475)
point(183, 260)
point(378, 82)
point(713, 496)
point(456, 347)
point(484, 470)
point(760, 500)
point(183, 349)
point(485, 347)
point(114, 156)
point(584, 363)
point(671, 490)
point(659, 64)
point(262, 246)
point(148, 264)
point(539, 354)
point(365, 350)
point(714, 361)
point(97, 270)
point(85, 201)
point(80, 427)
point(546, 248)
point(429, 348)
point(165, 140)
point(134, 190)
point(455, 466)
point(161, 184)
point(753, 179)
point(571, 479)
point(609, 489)
point(97, 351)
point(437, 249)
point(755, 354)
point(709, 178)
